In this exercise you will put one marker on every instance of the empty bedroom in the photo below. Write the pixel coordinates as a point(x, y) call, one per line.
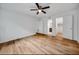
point(39, 28)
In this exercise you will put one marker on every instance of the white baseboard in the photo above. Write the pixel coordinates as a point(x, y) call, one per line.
point(16, 37)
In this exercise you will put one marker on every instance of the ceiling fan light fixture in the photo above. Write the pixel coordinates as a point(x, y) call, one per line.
point(39, 10)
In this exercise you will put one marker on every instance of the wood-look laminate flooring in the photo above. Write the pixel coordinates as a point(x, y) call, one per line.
point(40, 44)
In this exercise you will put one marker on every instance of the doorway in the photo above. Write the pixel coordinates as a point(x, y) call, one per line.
point(64, 26)
point(59, 27)
point(50, 27)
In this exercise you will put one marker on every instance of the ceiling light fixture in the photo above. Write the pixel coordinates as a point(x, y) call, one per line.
point(39, 10)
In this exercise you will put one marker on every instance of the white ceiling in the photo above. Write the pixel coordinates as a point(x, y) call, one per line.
point(25, 8)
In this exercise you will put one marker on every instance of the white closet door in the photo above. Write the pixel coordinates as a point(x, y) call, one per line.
point(67, 26)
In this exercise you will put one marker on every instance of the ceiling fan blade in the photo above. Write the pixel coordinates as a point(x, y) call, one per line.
point(44, 12)
point(33, 9)
point(37, 13)
point(46, 7)
point(37, 5)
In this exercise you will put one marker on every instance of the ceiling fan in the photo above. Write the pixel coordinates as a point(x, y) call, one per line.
point(40, 8)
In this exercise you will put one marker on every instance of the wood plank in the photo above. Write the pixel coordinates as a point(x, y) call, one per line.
point(40, 44)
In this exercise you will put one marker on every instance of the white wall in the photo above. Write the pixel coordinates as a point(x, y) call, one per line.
point(74, 14)
point(77, 22)
point(68, 26)
point(40, 28)
point(15, 25)
point(70, 12)
point(43, 26)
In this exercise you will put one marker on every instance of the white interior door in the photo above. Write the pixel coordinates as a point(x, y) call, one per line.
point(59, 25)
point(67, 26)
